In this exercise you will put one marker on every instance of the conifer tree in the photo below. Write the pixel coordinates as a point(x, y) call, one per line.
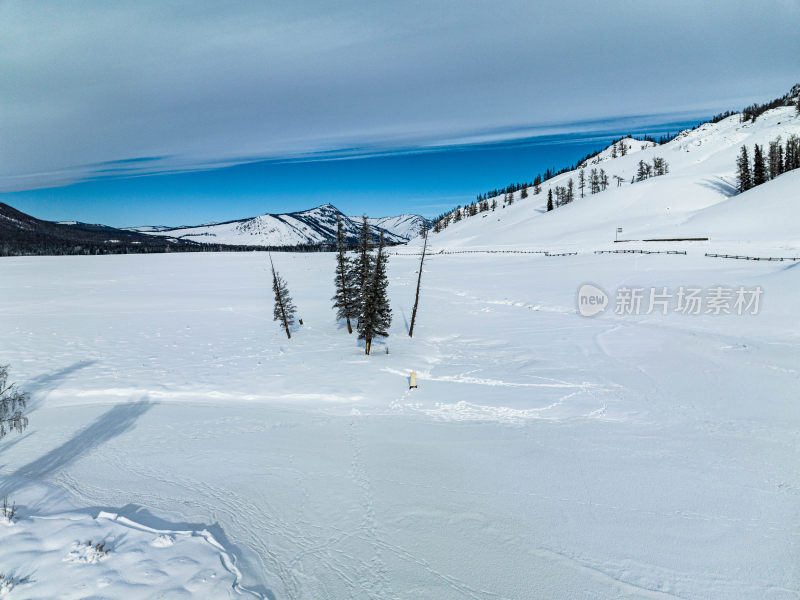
point(582, 181)
point(345, 301)
point(570, 192)
point(494, 204)
point(284, 309)
point(743, 176)
point(362, 264)
point(594, 181)
point(537, 184)
point(791, 159)
point(775, 158)
point(641, 172)
point(376, 315)
point(759, 166)
point(550, 199)
point(524, 193)
point(12, 403)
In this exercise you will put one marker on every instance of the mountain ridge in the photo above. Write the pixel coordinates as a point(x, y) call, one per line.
point(316, 225)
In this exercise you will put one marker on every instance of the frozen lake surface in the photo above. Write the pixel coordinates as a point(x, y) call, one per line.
point(544, 454)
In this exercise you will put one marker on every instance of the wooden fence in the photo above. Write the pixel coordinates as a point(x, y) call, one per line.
point(737, 257)
point(640, 252)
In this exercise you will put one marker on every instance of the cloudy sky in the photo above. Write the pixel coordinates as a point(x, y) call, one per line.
point(104, 90)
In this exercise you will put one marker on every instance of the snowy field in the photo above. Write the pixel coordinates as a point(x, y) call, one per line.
point(544, 454)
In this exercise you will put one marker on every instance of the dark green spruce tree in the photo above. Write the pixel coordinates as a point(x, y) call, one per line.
point(362, 264)
point(345, 301)
point(744, 179)
point(759, 166)
point(284, 309)
point(376, 315)
point(550, 199)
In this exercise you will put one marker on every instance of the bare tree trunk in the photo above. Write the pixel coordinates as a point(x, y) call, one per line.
point(349, 327)
point(367, 345)
point(419, 281)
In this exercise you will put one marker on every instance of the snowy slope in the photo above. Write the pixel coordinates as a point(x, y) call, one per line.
point(631, 146)
point(701, 178)
point(406, 226)
point(314, 226)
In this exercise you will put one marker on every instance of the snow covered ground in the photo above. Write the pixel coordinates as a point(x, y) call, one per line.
point(544, 454)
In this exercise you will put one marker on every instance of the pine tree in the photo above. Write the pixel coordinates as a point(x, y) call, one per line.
point(345, 301)
point(759, 166)
point(12, 403)
point(603, 180)
point(524, 193)
point(550, 199)
point(594, 181)
point(284, 309)
point(494, 204)
point(376, 315)
point(623, 148)
point(537, 184)
point(791, 158)
point(641, 172)
point(743, 176)
point(362, 264)
point(570, 190)
point(775, 158)
point(582, 180)
point(614, 150)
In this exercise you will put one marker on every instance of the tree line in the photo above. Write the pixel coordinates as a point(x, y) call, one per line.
point(595, 181)
point(752, 112)
point(767, 165)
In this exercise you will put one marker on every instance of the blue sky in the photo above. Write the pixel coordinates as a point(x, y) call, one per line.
point(224, 109)
point(422, 180)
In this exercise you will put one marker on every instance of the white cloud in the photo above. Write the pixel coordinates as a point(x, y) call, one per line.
point(84, 83)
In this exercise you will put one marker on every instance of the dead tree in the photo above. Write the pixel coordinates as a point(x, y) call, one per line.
point(419, 281)
point(12, 402)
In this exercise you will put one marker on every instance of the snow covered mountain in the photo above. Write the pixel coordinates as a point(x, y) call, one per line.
point(308, 227)
point(406, 226)
point(697, 198)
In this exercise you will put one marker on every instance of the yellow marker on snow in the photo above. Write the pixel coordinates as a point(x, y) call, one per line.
point(413, 383)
